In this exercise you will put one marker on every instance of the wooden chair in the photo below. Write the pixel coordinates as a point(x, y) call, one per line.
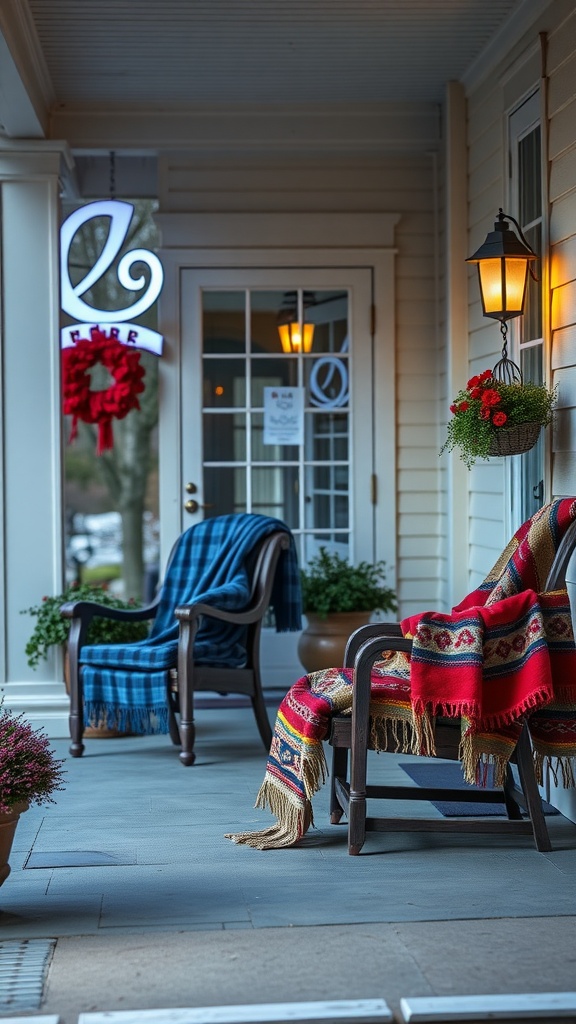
point(187, 678)
point(350, 740)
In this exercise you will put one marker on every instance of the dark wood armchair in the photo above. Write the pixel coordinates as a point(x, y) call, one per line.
point(350, 740)
point(187, 677)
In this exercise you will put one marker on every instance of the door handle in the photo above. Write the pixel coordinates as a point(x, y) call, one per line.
point(192, 506)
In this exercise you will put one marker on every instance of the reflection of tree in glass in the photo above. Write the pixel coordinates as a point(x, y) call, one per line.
point(124, 479)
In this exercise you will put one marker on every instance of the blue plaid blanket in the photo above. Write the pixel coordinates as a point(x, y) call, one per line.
point(125, 685)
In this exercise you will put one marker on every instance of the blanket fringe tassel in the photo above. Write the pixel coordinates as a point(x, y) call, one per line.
point(294, 819)
point(562, 770)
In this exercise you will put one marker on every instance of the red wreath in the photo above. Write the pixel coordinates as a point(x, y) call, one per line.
point(100, 407)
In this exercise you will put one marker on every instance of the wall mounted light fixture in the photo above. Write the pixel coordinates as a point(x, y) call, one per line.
point(295, 334)
point(503, 262)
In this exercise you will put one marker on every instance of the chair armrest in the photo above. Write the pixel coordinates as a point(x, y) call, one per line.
point(88, 610)
point(81, 614)
point(364, 633)
point(192, 612)
point(368, 653)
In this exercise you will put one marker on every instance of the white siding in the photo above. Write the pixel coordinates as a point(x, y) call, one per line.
point(562, 136)
point(374, 183)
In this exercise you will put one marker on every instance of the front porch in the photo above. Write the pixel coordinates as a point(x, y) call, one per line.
point(131, 874)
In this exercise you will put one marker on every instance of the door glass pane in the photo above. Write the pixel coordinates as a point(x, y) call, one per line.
point(269, 373)
point(269, 452)
point(224, 490)
point(224, 437)
point(264, 310)
point(328, 312)
point(328, 382)
point(224, 383)
point(275, 493)
point(224, 322)
point(327, 436)
point(306, 485)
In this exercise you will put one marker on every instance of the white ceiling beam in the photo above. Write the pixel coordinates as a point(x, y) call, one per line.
point(380, 127)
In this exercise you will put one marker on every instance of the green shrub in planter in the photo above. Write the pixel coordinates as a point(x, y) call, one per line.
point(331, 584)
point(51, 629)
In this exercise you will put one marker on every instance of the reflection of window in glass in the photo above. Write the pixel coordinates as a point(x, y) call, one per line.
point(111, 501)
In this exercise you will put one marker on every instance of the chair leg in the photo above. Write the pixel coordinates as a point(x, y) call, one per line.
point(186, 695)
point(76, 716)
point(173, 725)
point(531, 792)
point(512, 808)
point(260, 712)
point(339, 770)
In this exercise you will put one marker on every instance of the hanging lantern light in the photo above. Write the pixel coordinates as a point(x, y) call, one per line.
point(503, 262)
point(295, 334)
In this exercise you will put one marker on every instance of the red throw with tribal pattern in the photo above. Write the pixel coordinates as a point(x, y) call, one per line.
point(505, 653)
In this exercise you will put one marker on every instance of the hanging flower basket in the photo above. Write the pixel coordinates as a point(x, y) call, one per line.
point(493, 417)
point(515, 440)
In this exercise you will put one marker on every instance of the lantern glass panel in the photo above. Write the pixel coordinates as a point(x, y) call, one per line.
point(516, 270)
point(490, 274)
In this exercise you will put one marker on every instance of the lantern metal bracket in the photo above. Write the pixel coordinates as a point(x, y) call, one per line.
point(508, 216)
point(506, 369)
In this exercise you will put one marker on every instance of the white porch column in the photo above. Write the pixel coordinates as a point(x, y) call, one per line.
point(31, 559)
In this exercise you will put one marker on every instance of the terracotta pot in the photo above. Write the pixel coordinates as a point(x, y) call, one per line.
point(323, 642)
point(8, 823)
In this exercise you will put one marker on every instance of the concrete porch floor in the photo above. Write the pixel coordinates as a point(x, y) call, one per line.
point(151, 907)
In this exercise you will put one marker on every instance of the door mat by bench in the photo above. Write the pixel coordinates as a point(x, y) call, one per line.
point(449, 776)
point(211, 701)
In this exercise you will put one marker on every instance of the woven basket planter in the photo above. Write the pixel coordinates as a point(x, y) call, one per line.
point(514, 440)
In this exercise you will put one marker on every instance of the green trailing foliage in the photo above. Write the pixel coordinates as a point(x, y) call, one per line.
point(52, 629)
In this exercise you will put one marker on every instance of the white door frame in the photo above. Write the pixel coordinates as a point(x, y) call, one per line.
point(353, 280)
point(248, 240)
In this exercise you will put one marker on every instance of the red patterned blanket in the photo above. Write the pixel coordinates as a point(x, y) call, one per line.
point(506, 654)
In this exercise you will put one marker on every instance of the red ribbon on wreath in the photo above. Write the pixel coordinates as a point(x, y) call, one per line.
point(101, 407)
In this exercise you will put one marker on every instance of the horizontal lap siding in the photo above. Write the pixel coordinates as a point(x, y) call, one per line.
point(378, 183)
point(419, 475)
point(562, 151)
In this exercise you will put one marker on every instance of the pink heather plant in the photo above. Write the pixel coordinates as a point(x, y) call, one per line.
point(29, 772)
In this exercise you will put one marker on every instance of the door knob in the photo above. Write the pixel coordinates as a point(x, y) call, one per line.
point(191, 488)
point(192, 506)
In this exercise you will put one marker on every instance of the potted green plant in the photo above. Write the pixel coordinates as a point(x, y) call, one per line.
point(494, 418)
point(29, 774)
point(51, 629)
point(337, 598)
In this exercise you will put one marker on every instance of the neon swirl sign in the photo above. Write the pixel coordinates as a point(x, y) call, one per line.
point(120, 214)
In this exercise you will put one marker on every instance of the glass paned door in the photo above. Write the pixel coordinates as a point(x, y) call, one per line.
point(276, 402)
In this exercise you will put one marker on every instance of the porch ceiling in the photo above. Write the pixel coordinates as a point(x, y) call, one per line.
point(104, 57)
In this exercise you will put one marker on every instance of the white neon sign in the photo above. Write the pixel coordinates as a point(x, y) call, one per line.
point(120, 214)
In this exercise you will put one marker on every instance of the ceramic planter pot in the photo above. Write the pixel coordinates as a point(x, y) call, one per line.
point(8, 823)
point(323, 642)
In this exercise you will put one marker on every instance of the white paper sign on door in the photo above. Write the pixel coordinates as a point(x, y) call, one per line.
point(283, 415)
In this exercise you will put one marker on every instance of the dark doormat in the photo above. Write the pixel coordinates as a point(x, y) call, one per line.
point(449, 776)
point(211, 701)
